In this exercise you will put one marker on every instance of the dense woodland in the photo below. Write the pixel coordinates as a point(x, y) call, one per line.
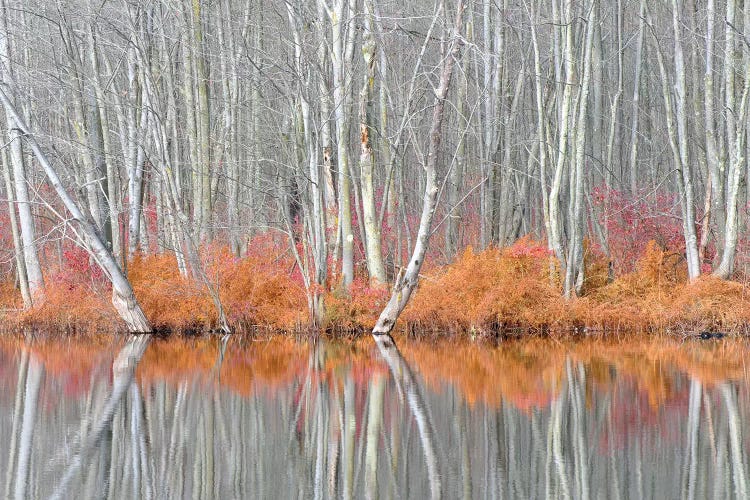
point(285, 162)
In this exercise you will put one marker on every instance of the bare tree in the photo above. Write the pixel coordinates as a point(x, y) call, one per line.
point(407, 282)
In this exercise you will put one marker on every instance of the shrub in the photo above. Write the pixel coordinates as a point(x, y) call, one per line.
point(515, 286)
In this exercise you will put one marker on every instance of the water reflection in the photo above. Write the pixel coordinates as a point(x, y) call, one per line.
point(281, 418)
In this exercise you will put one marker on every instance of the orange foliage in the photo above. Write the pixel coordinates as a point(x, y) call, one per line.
point(491, 289)
point(169, 301)
point(253, 363)
point(526, 374)
point(657, 295)
point(490, 292)
point(10, 298)
point(253, 292)
point(258, 290)
point(529, 373)
point(356, 310)
point(71, 309)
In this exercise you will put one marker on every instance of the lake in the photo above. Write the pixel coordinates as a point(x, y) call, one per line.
point(104, 417)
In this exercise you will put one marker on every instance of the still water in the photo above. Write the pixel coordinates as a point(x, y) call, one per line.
point(282, 418)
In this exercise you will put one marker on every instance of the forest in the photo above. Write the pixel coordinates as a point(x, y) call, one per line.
point(290, 165)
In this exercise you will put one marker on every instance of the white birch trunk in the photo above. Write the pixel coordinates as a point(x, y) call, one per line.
point(407, 283)
point(123, 298)
point(25, 217)
point(373, 245)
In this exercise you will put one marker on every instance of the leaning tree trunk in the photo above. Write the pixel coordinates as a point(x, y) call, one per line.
point(406, 283)
point(406, 381)
point(123, 298)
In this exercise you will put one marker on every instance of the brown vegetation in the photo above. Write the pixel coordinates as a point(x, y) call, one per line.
point(497, 291)
point(517, 289)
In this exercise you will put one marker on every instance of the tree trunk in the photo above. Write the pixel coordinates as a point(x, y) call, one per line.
point(574, 267)
point(23, 281)
point(373, 247)
point(555, 236)
point(716, 178)
point(637, 101)
point(25, 217)
point(736, 165)
point(406, 283)
point(688, 222)
point(343, 49)
point(123, 298)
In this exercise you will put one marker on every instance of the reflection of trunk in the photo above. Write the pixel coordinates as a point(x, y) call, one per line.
point(350, 427)
point(460, 428)
point(30, 399)
point(691, 459)
point(576, 386)
point(374, 423)
point(735, 442)
point(555, 448)
point(18, 407)
point(141, 459)
point(721, 486)
point(123, 370)
point(174, 484)
point(404, 377)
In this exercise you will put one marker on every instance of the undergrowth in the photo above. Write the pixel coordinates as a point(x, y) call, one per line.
point(481, 294)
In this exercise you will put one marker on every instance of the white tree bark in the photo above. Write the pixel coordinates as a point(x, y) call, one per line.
point(34, 378)
point(123, 298)
point(406, 283)
point(25, 217)
point(555, 236)
point(637, 100)
point(23, 281)
point(373, 245)
point(342, 53)
point(574, 267)
point(685, 170)
point(736, 166)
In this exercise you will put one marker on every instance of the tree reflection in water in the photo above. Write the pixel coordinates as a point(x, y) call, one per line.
point(284, 419)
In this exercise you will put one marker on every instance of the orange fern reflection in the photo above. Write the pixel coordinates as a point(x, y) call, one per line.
point(526, 374)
